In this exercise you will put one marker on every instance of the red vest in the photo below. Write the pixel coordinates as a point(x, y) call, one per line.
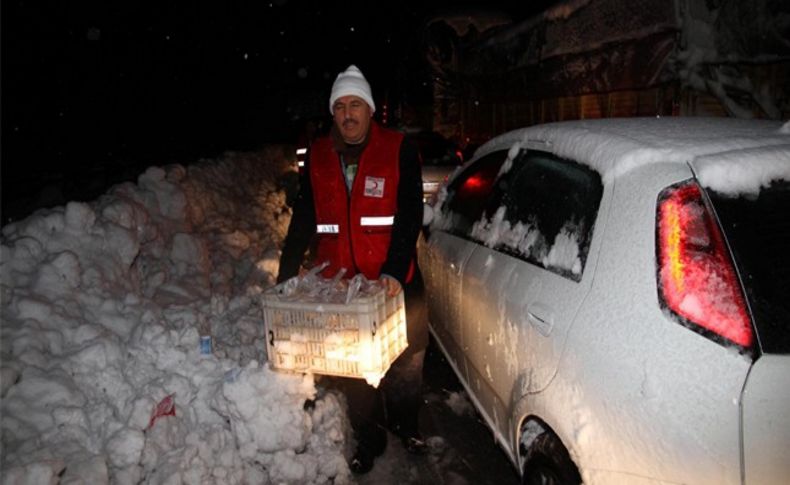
point(354, 231)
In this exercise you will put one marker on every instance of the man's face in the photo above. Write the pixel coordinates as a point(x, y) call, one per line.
point(352, 117)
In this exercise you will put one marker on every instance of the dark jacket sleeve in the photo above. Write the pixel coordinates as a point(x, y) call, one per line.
point(408, 218)
point(301, 229)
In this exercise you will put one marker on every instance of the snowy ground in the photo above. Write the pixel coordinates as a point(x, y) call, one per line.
point(103, 305)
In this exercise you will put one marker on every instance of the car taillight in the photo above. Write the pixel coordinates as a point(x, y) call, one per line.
point(697, 279)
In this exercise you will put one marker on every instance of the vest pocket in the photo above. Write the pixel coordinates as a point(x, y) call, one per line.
point(376, 229)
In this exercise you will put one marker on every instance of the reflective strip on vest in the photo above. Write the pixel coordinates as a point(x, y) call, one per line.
point(328, 229)
point(377, 221)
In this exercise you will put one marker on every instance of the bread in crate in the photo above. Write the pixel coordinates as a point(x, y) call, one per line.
point(337, 327)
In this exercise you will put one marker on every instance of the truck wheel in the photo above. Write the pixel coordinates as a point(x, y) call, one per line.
point(548, 463)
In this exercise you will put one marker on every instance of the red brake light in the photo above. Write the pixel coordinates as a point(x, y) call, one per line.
point(475, 183)
point(697, 279)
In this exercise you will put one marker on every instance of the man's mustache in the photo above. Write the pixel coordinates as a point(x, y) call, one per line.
point(348, 122)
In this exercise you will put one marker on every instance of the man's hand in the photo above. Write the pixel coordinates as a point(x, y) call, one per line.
point(390, 284)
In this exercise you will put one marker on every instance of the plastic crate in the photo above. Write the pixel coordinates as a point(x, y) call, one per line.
point(359, 339)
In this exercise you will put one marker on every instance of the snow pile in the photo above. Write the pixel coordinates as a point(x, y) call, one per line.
point(744, 172)
point(103, 305)
point(564, 253)
point(615, 147)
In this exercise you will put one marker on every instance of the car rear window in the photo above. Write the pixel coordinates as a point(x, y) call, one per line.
point(758, 232)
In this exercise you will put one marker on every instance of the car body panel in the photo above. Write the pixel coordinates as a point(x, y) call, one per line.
point(484, 281)
point(766, 421)
point(444, 257)
point(534, 311)
point(605, 390)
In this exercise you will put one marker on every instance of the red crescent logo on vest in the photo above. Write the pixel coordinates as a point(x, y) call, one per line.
point(374, 186)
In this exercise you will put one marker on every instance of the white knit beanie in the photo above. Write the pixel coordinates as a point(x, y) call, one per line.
point(351, 82)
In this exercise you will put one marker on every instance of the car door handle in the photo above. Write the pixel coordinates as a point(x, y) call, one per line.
point(542, 318)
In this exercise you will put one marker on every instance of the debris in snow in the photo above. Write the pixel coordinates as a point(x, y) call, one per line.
point(166, 407)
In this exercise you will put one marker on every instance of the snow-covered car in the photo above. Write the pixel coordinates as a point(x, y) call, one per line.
point(613, 294)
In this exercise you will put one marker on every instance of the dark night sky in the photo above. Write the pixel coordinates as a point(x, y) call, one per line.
point(111, 87)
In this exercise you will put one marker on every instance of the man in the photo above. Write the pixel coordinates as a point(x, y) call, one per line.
point(361, 198)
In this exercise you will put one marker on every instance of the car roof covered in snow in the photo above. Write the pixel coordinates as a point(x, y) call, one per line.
point(617, 145)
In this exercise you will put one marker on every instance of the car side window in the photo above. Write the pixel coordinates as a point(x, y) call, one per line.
point(468, 195)
point(546, 213)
